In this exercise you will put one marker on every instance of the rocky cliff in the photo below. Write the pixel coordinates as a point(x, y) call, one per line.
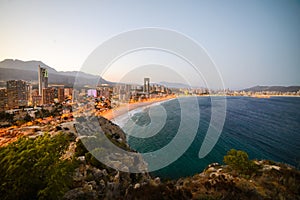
point(93, 180)
point(69, 170)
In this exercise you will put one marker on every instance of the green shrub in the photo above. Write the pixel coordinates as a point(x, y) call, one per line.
point(33, 168)
point(239, 161)
point(6, 117)
point(80, 149)
point(27, 118)
point(90, 159)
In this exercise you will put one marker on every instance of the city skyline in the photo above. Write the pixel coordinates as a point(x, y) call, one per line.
point(252, 43)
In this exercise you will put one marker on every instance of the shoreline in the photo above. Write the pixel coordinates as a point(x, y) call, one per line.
point(124, 108)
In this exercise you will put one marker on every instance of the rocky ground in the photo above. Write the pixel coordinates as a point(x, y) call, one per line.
point(272, 181)
point(97, 181)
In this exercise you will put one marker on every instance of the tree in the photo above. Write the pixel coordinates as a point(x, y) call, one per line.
point(6, 117)
point(239, 161)
point(42, 113)
point(33, 168)
point(57, 109)
point(28, 118)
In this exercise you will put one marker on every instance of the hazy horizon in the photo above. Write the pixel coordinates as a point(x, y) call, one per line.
point(126, 79)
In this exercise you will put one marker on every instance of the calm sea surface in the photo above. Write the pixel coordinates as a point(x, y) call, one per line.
point(264, 128)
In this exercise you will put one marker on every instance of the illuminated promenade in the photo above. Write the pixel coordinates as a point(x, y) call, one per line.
point(124, 108)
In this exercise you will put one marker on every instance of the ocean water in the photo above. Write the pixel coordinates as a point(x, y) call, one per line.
point(264, 128)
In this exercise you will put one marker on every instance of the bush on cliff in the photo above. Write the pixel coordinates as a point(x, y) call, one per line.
point(33, 168)
point(6, 117)
point(239, 161)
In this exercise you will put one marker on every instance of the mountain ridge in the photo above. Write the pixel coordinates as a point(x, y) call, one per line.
point(259, 88)
point(30, 65)
point(27, 70)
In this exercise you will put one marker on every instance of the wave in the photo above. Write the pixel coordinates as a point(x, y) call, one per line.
point(123, 119)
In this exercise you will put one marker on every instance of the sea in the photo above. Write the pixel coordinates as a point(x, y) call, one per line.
point(265, 128)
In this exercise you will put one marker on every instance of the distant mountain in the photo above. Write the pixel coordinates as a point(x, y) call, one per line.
point(273, 88)
point(174, 85)
point(27, 70)
point(24, 65)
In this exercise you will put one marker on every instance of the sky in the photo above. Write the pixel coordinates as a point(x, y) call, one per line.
point(250, 42)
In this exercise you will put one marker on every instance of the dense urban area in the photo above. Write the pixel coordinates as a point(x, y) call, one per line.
point(32, 95)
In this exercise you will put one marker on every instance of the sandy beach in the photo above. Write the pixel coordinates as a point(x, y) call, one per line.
point(120, 110)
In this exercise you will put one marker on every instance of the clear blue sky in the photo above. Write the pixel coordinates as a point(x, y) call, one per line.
point(251, 42)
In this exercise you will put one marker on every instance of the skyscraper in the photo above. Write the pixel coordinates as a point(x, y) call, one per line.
point(17, 93)
point(147, 85)
point(48, 95)
point(43, 79)
point(59, 93)
point(3, 99)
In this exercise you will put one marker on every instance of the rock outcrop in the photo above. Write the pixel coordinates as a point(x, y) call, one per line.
point(94, 180)
point(271, 181)
point(275, 181)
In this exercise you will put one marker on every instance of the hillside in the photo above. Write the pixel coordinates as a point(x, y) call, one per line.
point(174, 85)
point(272, 89)
point(73, 173)
point(27, 70)
point(24, 65)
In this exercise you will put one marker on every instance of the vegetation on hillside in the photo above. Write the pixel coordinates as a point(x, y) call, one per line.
point(38, 169)
point(6, 117)
point(239, 161)
point(33, 168)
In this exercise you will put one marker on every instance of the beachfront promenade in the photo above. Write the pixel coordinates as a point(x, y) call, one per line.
point(124, 108)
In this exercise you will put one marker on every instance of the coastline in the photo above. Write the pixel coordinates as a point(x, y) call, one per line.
point(123, 109)
point(126, 107)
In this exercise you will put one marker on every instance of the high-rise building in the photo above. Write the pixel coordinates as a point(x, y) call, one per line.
point(17, 93)
point(36, 100)
point(104, 91)
point(68, 92)
point(48, 95)
point(3, 99)
point(92, 92)
point(59, 94)
point(53, 94)
point(147, 85)
point(29, 94)
point(43, 79)
point(122, 92)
